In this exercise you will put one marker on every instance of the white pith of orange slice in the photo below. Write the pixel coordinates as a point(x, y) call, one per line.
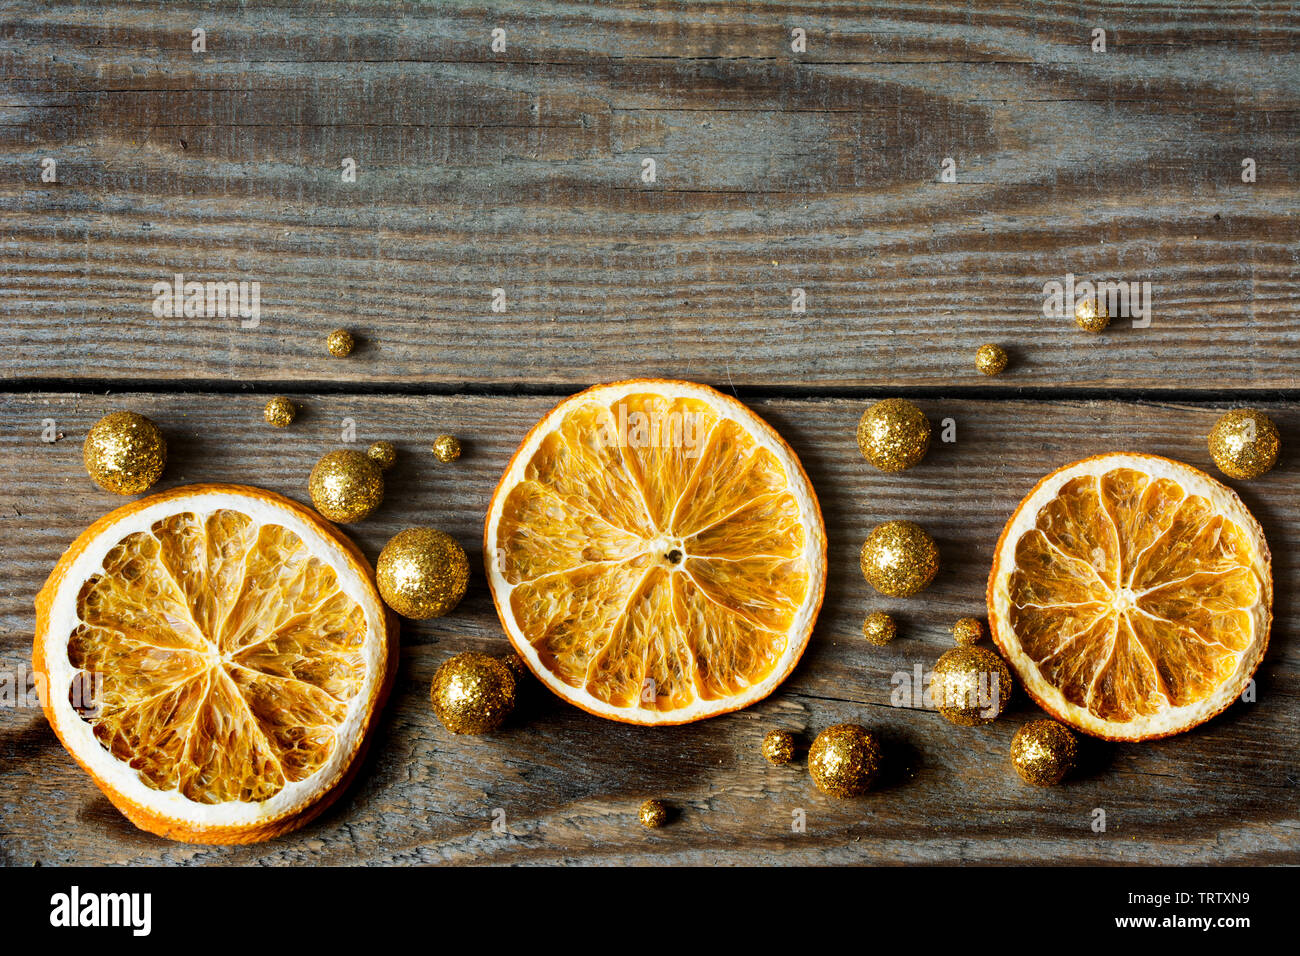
point(241, 651)
point(656, 577)
point(1132, 595)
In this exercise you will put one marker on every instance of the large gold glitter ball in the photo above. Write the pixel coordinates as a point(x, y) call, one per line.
point(280, 412)
point(968, 631)
point(341, 343)
point(879, 628)
point(383, 454)
point(125, 453)
point(970, 686)
point(899, 558)
point(473, 693)
point(990, 359)
point(778, 747)
point(844, 760)
point(446, 448)
point(1091, 314)
point(654, 813)
point(893, 434)
point(1244, 443)
point(1043, 752)
point(346, 486)
point(422, 573)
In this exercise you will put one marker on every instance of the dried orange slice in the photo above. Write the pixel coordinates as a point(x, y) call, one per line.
point(656, 553)
point(1133, 596)
point(213, 657)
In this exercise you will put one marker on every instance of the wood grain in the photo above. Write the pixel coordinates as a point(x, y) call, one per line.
point(570, 783)
point(776, 170)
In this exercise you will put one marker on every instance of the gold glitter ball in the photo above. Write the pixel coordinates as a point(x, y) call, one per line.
point(844, 760)
point(1044, 752)
point(899, 559)
point(1244, 443)
point(422, 573)
point(1091, 314)
point(991, 359)
point(346, 486)
point(654, 813)
point(778, 747)
point(894, 434)
point(879, 628)
point(473, 693)
point(446, 448)
point(280, 412)
point(341, 343)
point(971, 686)
point(125, 453)
point(967, 631)
point(383, 454)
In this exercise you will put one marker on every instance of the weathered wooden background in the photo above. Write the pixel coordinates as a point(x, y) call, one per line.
point(520, 170)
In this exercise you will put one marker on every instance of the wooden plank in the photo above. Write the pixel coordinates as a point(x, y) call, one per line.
point(570, 783)
point(776, 171)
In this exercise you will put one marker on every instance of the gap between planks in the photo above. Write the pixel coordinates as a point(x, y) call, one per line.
point(980, 393)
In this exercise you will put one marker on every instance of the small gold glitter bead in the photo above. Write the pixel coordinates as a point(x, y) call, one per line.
point(1043, 752)
point(346, 486)
point(654, 813)
point(991, 359)
point(1244, 443)
point(1091, 314)
point(422, 573)
point(341, 343)
point(473, 693)
point(844, 760)
point(899, 558)
point(446, 448)
point(879, 628)
point(893, 434)
point(383, 454)
point(778, 747)
point(970, 686)
point(967, 631)
point(124, 453)
point(280, 412)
